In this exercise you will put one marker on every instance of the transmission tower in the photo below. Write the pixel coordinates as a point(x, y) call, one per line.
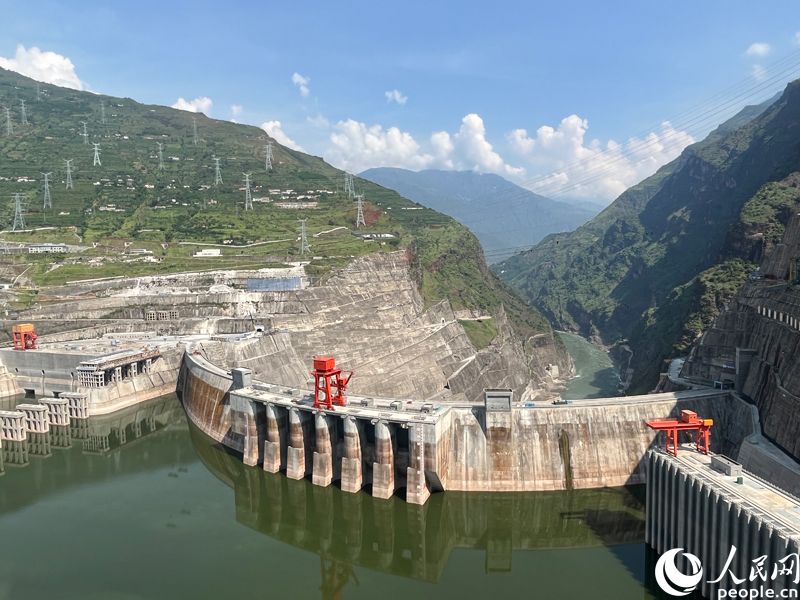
point(217, 174)
point(102, 112)
point(38, 92)
point(304, 247)
point(68, 162)
point(360, 211)
point(160, 156)
point(9, 125)
point(96, 160)
point(194, 129)
point(24, 119)
point(349, 189)
point(48, 201)
point(268, 156)
point(85, 134)
point(19, 221)
point(248, 197)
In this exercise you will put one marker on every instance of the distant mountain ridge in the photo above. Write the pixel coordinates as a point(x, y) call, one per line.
point(504, 216)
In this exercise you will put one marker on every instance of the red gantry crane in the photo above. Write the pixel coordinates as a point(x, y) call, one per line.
point(329, 385)
point(24, 336)
point(689, 421)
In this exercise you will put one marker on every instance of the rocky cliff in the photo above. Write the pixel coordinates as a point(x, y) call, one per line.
point(654, 267)
point(755, 343)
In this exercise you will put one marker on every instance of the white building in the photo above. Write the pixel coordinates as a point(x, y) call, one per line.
point(47, 249)
point(208, 253)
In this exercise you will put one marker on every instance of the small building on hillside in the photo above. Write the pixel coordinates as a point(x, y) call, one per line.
point(47, 248)
point(208, 253)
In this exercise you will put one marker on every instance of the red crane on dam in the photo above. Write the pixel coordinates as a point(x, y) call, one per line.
point(24, 336)
point(329, 385)
point(688, 421)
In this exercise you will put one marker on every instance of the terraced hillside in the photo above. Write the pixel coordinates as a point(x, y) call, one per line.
point(127, 216)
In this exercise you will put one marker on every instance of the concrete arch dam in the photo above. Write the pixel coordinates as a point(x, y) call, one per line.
point(411, 448)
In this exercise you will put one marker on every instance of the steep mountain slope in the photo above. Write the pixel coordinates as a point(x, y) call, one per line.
point(654, 267)
point(130, 202)
point(503, 215)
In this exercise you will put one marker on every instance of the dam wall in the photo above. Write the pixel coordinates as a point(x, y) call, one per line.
point(390, 445)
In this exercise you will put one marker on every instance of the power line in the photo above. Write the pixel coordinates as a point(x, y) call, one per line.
point(248, 197)
point(68, 162)
point(85, 134)
point(48, 201)
point(600, 170)
point(96, 160)
point(697, 119)
point(19, 221)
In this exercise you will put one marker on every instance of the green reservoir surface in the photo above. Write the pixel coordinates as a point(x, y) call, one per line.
point(141, 505)
point(595, 374)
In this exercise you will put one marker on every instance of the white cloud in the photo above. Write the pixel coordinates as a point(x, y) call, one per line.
point(275, 130)
point(201, 104)
point(758, 72)
point(236, 110)
point(356, 146)
point(474, 151)
point(562, 160)
point(319, 121)
point(575, 167)
point(395, 96)
point(48, 67)
point(758, 49)
point(302, 83)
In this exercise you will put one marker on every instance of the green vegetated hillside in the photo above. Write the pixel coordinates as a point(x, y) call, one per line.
point(654, 268)
point(127, 203)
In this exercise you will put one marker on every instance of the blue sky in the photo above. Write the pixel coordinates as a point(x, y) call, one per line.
point(469, 77)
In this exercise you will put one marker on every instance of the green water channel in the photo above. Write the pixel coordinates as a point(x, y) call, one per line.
point(141, 505)
point(595, 374)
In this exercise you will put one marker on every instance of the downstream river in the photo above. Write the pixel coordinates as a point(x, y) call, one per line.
point(140, 505)
point(596, 375)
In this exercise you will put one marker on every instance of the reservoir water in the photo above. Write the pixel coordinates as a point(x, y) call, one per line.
point(140, 505)
point(595, 374)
